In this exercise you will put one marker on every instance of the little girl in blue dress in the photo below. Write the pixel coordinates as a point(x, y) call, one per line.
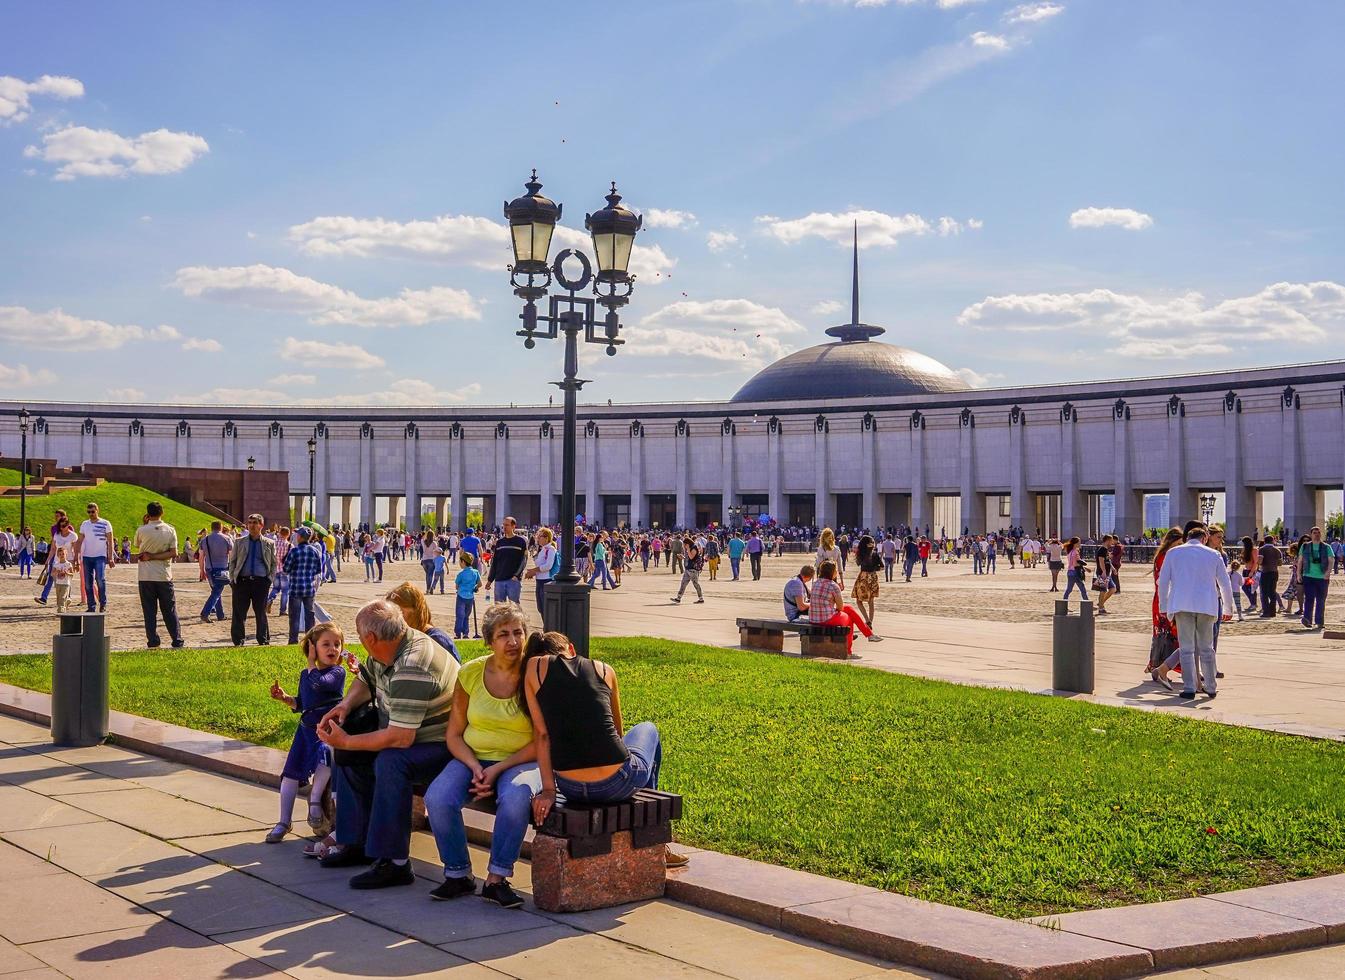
point(321, 685)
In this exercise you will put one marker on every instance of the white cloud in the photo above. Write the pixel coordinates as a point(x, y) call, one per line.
point(976, 379)
point(995, 42)
point(20, 375)
point(1186, 325)
point(126, 394)
point(58, 330)
point(293, 379)
point(16, 94)
point(949, 226)
point(331, 355)
point(1031, 13)
point(1127, 218)
point(409, 392)
point(462, 239)
point(736, 331)
point(827, 307)
point(717, 241)
point(82, 152)
point(203, 344)
point(668, 218)
point(266, 287)
point(875, 227)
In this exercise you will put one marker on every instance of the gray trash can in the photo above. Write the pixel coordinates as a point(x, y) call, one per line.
point(79, 680)
point(1072, 649)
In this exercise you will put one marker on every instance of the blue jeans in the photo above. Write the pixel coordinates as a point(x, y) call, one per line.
point(733, 564)
point(368, 567)
point(462, 612)
point(373, 800)
point(600, 570)
point(280, 586)
point(25, 563)
point(640, 771)
point(514, 790)
point(95, 572)
point(428, 565)
point(508, 590)
point(301, 614)
point(541, 595)
point(1075, 580)
point(1314, 600)
point(218, 579)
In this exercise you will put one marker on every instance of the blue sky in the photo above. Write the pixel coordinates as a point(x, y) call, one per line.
point(199, 200)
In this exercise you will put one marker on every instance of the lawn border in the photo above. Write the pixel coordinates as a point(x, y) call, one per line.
point(1102, 943)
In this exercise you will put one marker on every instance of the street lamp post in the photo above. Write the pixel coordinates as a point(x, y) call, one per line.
point(252, 462)
point(312, 469)
point(1207, 501)
point(23, 469)
point(532, 220)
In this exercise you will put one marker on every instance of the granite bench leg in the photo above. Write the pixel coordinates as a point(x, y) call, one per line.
point(834, 647)
point(755, 638)
point(561, 883)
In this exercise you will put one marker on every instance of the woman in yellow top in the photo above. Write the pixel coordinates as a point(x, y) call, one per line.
point(490, 737)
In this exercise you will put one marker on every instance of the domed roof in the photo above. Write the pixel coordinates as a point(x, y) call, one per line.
point(850, 369)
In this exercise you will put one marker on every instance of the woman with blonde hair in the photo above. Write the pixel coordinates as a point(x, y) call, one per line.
point(542, 564)
point(828, 551)
point(416, 611)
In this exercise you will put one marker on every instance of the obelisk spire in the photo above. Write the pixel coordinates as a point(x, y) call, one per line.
point(854, 286)
point(854, 331)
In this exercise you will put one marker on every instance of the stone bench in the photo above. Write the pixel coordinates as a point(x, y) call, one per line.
point(593, 856)
point(814, 640)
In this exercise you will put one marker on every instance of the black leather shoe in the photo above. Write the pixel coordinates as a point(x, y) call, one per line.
point(384, 874)
point(454, 888)
point(501, 894)
point(345, 856)
point(1187, 695)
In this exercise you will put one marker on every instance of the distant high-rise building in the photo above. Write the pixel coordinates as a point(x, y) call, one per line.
point(1157, 510)
point(1106, 513)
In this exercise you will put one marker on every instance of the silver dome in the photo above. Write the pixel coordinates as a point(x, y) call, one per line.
point(850, 369)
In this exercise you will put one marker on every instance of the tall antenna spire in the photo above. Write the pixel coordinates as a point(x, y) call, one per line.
point(854, 288)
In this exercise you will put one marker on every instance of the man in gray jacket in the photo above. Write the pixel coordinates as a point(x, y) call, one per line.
point(252, 565)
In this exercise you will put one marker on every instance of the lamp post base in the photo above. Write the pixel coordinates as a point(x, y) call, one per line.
point(566, 607)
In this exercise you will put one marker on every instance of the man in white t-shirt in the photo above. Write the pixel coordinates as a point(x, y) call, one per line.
point(96, 552)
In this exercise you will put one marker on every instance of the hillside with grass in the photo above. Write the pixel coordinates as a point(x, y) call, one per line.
point(121, 503)
point(9, 477)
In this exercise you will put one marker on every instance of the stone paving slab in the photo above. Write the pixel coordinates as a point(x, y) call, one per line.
point(21, 809)
point(1327, 963)
point(42, 774)
point(32, 914)
point(17, 864)
point(1320, 900)
point(280, 864)
point(14, 960)
point(1193, 931)
point(959, 941)
point(158, 813)
point(557, 950)
point(750, 889)
point(113, 850)
point(159, 951)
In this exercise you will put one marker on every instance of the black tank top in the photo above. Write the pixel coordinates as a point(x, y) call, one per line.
point(577, 707)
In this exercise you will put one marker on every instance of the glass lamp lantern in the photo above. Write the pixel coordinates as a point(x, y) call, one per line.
point(613, 229)
point(532, 220)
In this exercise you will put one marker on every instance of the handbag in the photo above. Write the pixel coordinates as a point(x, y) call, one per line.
point(361, 721)
point(43, 575)
point(1161, 647)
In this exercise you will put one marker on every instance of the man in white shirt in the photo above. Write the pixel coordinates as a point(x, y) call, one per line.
point(1191, 586)
point(95, 552)
point(156, 546)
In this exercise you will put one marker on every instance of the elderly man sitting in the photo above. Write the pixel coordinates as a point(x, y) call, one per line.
point(413, 680)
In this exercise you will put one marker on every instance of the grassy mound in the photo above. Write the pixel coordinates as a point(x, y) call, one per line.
point(1001, 801)
point(121, 503)
point(9, 478)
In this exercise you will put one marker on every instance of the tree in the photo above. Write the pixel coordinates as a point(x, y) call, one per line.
point(1335, 524)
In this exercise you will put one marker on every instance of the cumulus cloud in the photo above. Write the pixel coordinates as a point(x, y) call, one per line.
point(827, 307)
point(58, 330)
point(126, 394)
point(16, 95)
point(266, 287)
point(293, 379)
point(977, 379)
point(19, 375)
point(668, 218)
point(875, 227)
point(1181, 326)
point(332, 355)
point(203, 344)
point(408, 392)
point(1031, 13)
point(732, 331)
point(717, 241)
point(995, 42)
point(82, 152)
point(1127, 218)
point(455, 239)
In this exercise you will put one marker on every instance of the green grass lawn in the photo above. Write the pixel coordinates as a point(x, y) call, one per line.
point(121, 503)
point(9, 477)
point(1010, 803)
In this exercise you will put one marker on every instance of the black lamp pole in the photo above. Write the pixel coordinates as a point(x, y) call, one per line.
point(23, 469)
point(312, 468)
point(532, 220)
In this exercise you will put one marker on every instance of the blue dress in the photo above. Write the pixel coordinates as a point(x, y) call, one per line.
point(319, 691)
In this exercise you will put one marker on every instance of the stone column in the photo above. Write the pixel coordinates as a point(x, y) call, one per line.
point(1298, 504)
point(973, 508)
point(681, 462)
point(394, 511)
point(548, 497)
point(639, 511)
point(1127, 520)
point(1022, 513)
point(868, 452)
point(440, 511)
point(822, 508)
point(457, 438)
point(1073, 502)
point(727, 430)
point(592, 503)
point(411, 480)
point(775, 497)
point(346, 501)
point(322, 510)
point(1181, 501)
point(922, 504)
point(367, 475)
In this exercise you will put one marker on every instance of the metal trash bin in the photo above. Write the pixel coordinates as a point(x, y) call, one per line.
point(1072, 648)
point(79, 680)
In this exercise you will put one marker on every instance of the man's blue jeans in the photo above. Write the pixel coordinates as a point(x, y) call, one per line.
point(977, 561)
point(462, 612)
point(508, 591)
point(95, 572)
point(638, 772)
point(514, 790)
point(301, 614)
point(734, 563)
point(1314, 600)
point(373, 800)
point(218, 579)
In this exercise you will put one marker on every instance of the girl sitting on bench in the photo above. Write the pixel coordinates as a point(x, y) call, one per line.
point(828, 607)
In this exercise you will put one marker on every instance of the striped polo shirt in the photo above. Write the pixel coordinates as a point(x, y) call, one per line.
point(416, 691)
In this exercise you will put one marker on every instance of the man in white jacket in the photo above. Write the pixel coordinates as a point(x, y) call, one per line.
point(1191, 587)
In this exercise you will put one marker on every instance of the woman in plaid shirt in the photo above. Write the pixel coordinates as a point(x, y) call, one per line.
point(828, 607)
